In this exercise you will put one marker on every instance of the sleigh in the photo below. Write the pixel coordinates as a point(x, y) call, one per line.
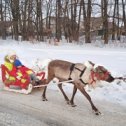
point(17, 85)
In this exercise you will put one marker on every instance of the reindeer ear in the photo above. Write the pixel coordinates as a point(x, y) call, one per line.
point(99, 69)
point(96, 68)
point(103, 69)
point(91, 63)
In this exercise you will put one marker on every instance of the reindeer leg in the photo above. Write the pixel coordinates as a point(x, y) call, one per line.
point(73, 95)
point(45, 88)
point(81, 88)
point(64, 94)
point(44, 94)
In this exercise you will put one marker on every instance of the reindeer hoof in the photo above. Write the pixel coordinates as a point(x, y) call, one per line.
point(97, 112)
point(73, 105)
point(44, 99)
point(68, 102)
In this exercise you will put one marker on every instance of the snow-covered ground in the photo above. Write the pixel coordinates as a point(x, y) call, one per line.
point(110, 56)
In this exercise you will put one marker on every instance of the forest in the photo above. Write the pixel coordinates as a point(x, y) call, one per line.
point(37, 19)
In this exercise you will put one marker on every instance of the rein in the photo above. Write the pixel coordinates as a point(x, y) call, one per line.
point(121, 78)
point(44, 85)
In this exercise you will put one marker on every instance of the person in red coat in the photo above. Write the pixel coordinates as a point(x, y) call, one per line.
point(26, 71)
point(14, 76)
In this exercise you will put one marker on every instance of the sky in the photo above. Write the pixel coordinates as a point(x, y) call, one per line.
point(111, 56)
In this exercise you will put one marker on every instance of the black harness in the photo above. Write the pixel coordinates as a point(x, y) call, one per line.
point(71, 69)
point(81, 74)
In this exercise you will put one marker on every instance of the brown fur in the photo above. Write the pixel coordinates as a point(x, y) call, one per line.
point(61, 70)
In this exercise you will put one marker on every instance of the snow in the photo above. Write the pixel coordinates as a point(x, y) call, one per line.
point(110, 56)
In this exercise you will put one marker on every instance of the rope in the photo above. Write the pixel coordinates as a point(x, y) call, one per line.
point(121, 78)
point(44, 85)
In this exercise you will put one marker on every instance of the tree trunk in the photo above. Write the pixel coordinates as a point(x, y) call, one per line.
point(105, 21)
point(113, 22)
point(118, 29)
point(86, 17)
point(124, 14)
point(24, 17)
point(58, 20)
point(15, 15)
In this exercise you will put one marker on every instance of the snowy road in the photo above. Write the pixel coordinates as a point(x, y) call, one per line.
point(29, 110)
point(24, 110)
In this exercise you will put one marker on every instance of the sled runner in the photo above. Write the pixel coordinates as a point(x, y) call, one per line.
point(22, 85)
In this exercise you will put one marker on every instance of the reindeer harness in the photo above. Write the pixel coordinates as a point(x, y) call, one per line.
point(81, 73)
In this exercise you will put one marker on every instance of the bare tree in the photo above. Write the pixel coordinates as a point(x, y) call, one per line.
point(75, 27)
point(58, 19)
point(2, 19)
point(118, 21)
point(15, 16)
point(104, 8)
point(124, 14)
point(113, 22)
point(86, 16)
point(24, 20)
point(65, 20)
point(27, 17)
point(48, 13)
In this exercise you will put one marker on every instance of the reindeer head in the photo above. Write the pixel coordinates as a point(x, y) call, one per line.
point(103, 74)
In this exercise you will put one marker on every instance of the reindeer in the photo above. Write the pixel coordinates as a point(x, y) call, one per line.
point(80, 75)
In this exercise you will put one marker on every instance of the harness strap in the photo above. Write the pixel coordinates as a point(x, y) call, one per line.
point(92, 77)
point(71, 69)
point(78, 69)
point(83, 81)
point(82, 72)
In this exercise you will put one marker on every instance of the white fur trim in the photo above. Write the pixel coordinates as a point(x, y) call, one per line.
point(95, 66)
point(23, 91)
point(88, 65)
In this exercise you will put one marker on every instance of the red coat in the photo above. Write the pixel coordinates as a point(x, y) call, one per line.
point(24, 70)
